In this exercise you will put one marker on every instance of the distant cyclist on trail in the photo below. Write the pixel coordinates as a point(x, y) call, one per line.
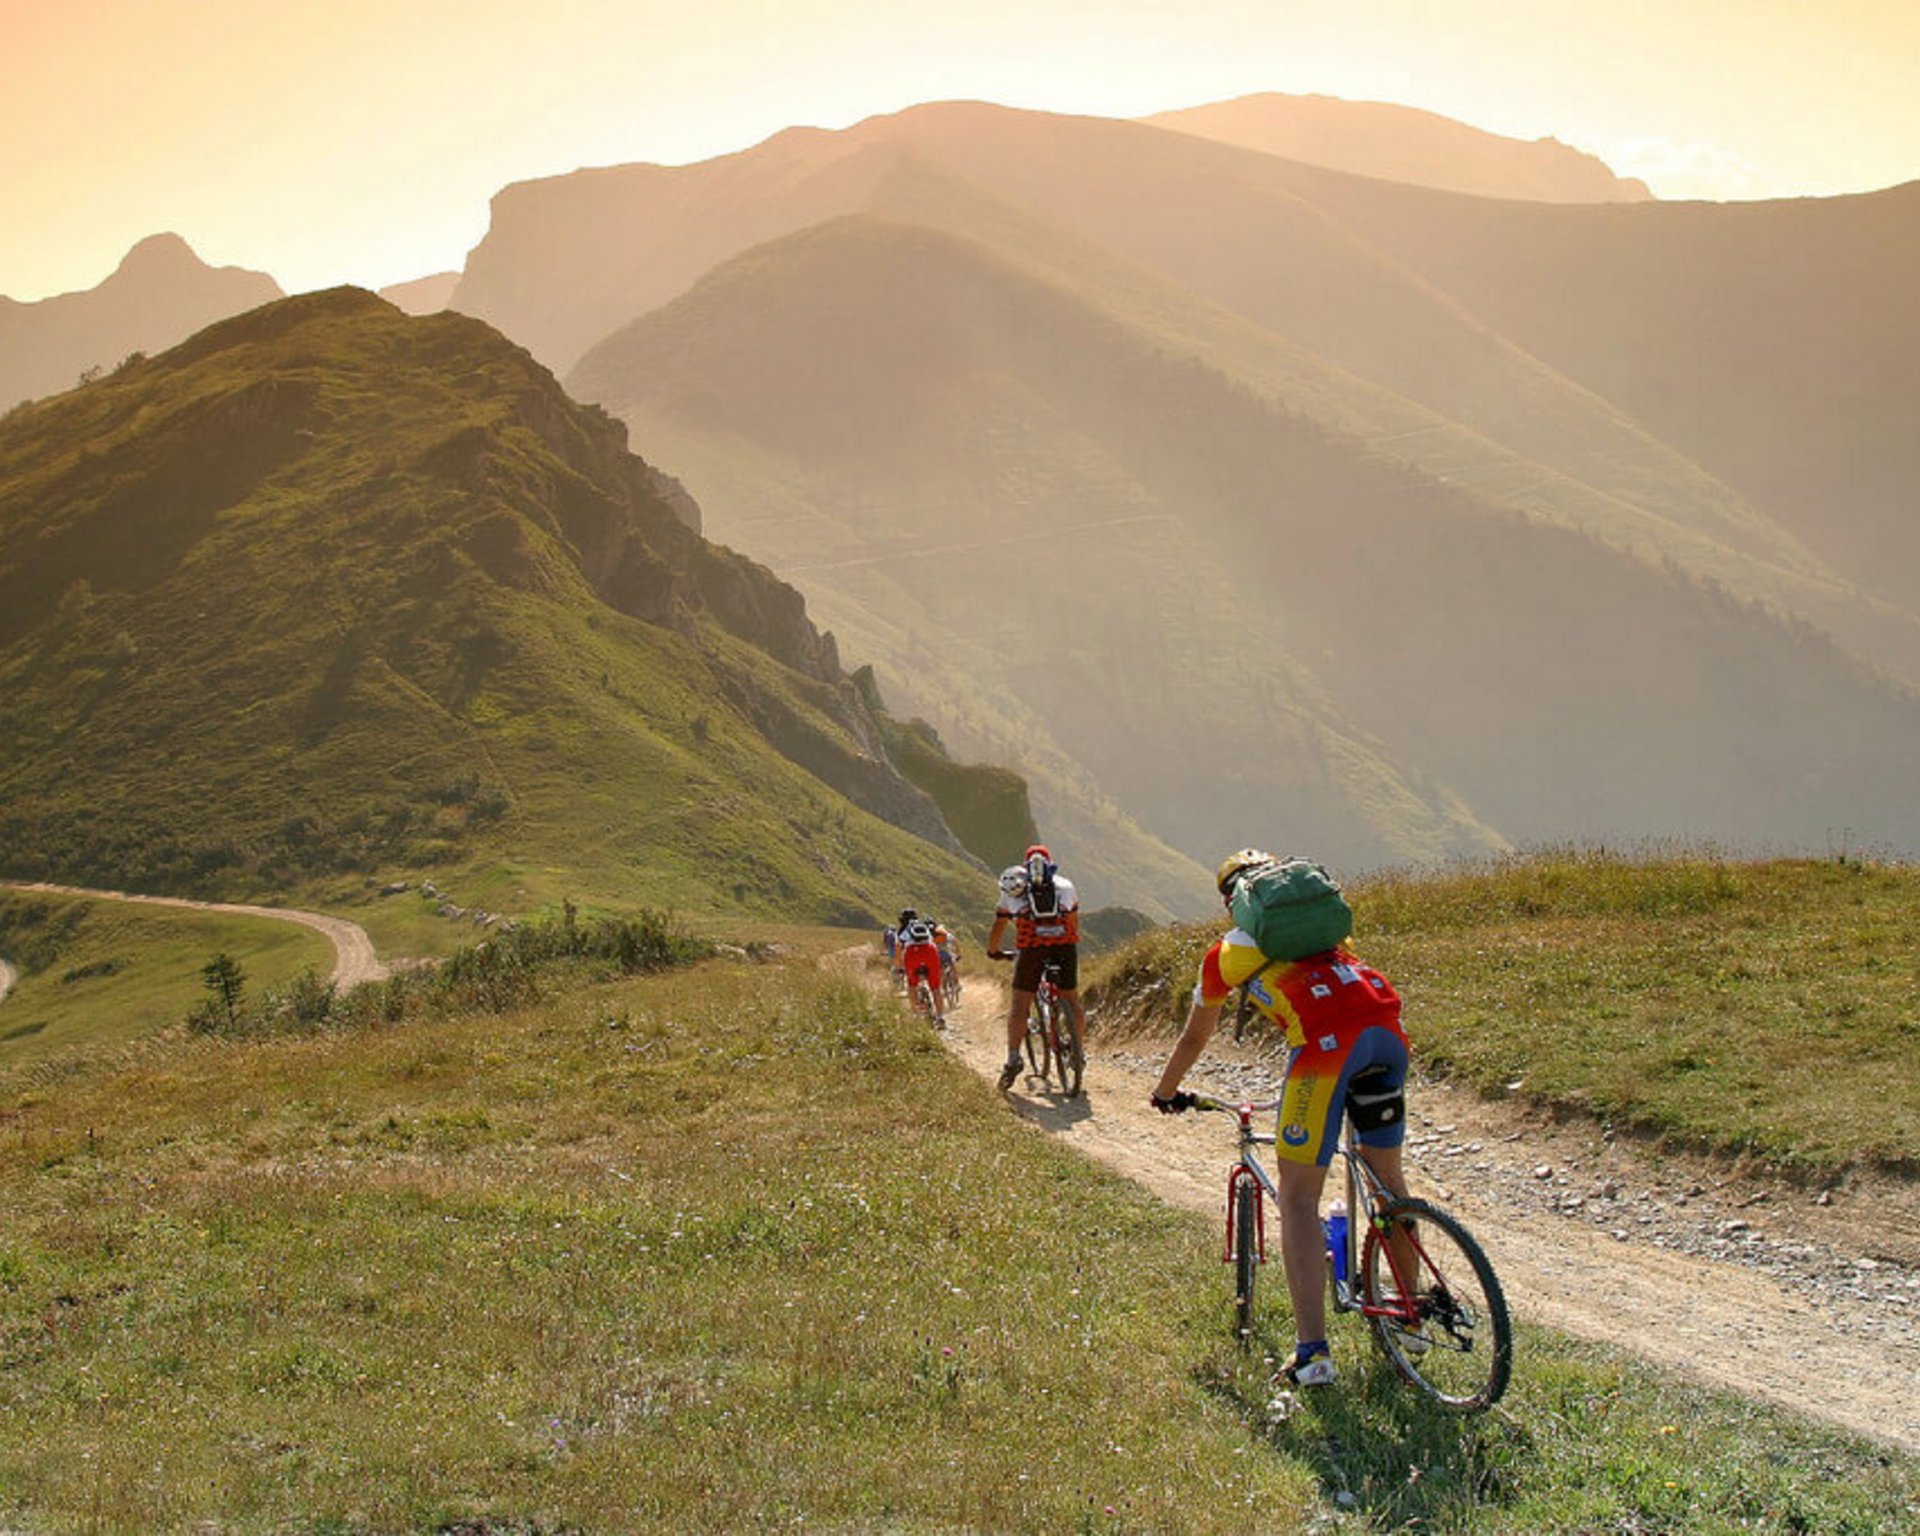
point(920, 956)
point(949, 947)
point(896, 950)
point(1347, 1053)
point(1044, 909)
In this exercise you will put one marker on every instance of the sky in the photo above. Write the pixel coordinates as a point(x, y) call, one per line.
point(331, 141)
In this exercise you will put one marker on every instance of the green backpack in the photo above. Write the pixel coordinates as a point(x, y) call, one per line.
point(1291, 909)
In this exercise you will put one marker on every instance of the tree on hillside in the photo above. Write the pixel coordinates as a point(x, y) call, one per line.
point(225, 982)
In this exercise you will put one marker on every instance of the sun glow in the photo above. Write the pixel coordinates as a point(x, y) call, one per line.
point(360, 140)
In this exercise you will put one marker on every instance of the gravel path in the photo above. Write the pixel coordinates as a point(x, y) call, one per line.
point(1704, 1267)
point(354, 958)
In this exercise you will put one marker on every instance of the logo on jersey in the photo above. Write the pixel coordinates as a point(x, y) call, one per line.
point(1294, 1135)
point(1329, 1042)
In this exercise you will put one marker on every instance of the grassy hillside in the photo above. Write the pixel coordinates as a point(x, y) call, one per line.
point(610, 1258)
point(1062, 542)
point(1741, 1007)
point(330, 591)
point(987, 807)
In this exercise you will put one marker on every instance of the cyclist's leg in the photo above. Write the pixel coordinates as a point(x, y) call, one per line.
point(1374, 1090)
point(1026, 981)
point(1303, 1246)
point(1311, 1102)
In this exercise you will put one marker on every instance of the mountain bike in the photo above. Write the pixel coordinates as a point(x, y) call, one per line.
point(1050, 1044)
point(1055, 1023)
point(922, 997)
point(1417, 1276)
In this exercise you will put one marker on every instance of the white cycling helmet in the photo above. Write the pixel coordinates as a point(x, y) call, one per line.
point(1013, 880)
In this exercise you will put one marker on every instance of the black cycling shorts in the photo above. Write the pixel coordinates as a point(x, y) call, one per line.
point(1062, 959)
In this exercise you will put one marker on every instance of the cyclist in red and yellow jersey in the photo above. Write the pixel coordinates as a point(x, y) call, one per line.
point(1347, 1055)
point(1044, 910)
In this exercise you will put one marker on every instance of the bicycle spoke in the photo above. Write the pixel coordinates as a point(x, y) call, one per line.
point(1436, 1307)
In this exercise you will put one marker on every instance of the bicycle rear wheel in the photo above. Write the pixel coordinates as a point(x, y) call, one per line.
point(1069, 1061)
point(1246, 1255)
point(1443, 1324)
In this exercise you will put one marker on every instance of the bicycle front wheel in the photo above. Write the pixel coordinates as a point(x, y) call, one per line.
point(1435, 1306)
point(1246, 1254)
point(1039, 1059)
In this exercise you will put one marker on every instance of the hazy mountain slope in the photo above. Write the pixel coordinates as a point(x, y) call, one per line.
point(423, 295)
point(1778, 344)
point(1626, 488)
point(567, 259)
point(327, 588)
point(1222, 253)
point(161, 293)
point(919, 412)
point(1405, 144)
point(1237, 623)
point(1304, 252)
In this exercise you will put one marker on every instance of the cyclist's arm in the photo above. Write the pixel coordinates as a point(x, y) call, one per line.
point(1202, 1018)
point(1000, 921)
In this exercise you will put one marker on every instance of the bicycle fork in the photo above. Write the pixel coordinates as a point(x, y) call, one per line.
point(1241, 1172)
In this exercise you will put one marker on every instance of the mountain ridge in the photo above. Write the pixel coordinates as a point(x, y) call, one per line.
point(1391, 142)
point(437, 613)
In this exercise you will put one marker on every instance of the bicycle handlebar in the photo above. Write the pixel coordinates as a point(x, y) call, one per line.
point(1207, 1101)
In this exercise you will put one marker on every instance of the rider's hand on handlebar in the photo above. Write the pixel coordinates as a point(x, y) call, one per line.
point(1173, 1103)
point(1000, 954)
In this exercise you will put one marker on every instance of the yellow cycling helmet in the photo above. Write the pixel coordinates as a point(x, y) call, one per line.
point(1234, 865)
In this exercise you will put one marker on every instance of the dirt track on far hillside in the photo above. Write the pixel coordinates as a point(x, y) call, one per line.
point(354, 959)
point(1751, 1287)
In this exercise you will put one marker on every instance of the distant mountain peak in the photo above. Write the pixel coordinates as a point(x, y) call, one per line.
point(161, 293)
point(165, 248)
point(1390, 142)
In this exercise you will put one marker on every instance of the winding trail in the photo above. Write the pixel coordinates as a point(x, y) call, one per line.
point(1818, 1349)
point(354, 958)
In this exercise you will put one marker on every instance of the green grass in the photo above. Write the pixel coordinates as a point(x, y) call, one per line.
point(99, 974)
point(724, 1248)
point(1763, 1008)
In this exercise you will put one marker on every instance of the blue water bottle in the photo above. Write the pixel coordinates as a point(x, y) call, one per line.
point(1336, 1225)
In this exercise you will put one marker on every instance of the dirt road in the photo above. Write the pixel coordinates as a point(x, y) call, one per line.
point(1748, 1286)
point(354, 958)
